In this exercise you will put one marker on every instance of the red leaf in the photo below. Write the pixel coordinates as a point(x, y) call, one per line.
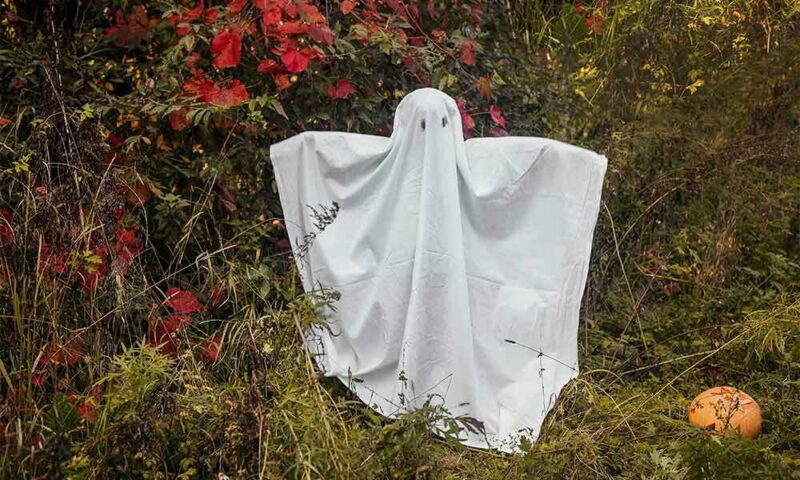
point(468, 52)
point(295, 61)
point(477, 13)
point(397, 8)
point(347, 6)
point(126, 247)
point(212, 93)
point(38, 380)
point(119, 214)
point(270, 66)
point(595, 22)
point(178, 119)
point(73, 355)
point(89, 407)
point(292, 28)
point(431, 9)
point(227, 46)
point(127, 239)
point(55, 263)
point(194, 13)
point(282, 81)
point(210, 348)
point(216, 295)
point(114, 155)
point(211, 16)
point(177, 322)
point(87, 412)
point(484, 87)
point(182, 301)
point(181, 22)
point(342, 89)
point(4, 122)
point(467, 122)
point(200, 87)
point(414, 11)
point(191, 61)
point(230, 96)
point(6, 228)
point(497, 116)
point(158, 335)
point(58, 354)
point(236, 6)
point(289, 7)
point(418, 42)
point(114, 140)
point(309, 13)
point(131, 29)
point(321, 33)
point(271, 16)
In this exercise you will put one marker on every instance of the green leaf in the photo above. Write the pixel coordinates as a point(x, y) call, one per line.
point(276, 105)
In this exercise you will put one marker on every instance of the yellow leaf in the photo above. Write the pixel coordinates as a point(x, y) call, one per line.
point(161, 144)
point(694, 86)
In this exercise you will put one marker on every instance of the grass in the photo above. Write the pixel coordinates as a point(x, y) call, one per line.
point(694, 282)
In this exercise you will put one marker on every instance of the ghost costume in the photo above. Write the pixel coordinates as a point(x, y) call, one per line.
point(460, 264)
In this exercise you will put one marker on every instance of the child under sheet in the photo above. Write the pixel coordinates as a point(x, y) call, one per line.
point(460, 264)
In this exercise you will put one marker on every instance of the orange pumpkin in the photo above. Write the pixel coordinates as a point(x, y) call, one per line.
point(726, 408)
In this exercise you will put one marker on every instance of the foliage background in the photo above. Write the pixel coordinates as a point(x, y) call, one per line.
point(151, 311)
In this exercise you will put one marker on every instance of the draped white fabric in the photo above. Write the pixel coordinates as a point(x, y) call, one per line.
point(461, 264)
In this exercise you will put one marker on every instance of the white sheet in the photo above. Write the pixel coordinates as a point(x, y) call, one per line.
point(442, 250)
